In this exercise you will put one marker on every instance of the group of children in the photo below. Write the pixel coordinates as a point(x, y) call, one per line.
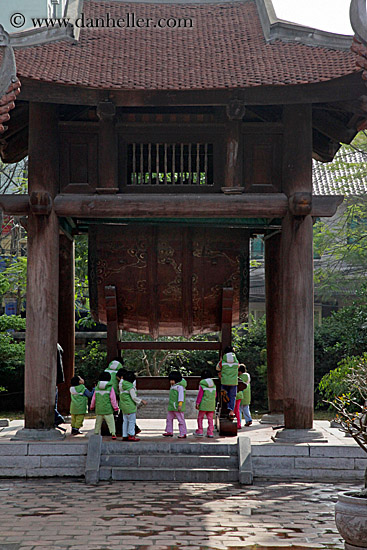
point(116, 390)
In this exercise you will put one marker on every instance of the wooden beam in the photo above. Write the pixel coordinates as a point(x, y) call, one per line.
point(15, 205)
point(247, 205)
point(345, 88)
point(169, 345)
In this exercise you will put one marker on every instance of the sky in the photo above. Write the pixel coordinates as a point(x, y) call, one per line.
point(328, 15)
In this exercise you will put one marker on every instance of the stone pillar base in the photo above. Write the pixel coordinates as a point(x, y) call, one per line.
point(352, 547)
point(299, 436)
point(27, 434)
point(275, 419)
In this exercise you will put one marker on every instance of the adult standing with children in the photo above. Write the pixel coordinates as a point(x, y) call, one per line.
point(228, 373)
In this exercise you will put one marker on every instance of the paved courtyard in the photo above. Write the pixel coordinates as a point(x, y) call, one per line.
point(65, 514)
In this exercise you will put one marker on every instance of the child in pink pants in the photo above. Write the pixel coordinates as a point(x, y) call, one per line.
point(205, 403)
point(176, 405)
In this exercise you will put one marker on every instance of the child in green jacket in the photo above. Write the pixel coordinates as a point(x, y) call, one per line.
point(128, 405)
point(176, 405)
point(105, 402)
point(205, 403)
point(79, 403)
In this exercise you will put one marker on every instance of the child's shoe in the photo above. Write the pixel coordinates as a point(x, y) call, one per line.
point(75, 431)
point(198, 434)
point(133, 438)
point(182, 436)
point(167, 434)
point(210, 435)
point(248, 423)
point(114, 437)
point(125, 439)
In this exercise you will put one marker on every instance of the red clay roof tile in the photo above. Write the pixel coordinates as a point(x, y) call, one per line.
point(224, 49)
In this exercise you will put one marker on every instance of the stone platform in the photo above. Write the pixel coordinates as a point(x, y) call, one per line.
point(338, 460)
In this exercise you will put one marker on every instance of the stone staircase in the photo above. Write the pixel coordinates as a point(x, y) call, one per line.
point(195, 462)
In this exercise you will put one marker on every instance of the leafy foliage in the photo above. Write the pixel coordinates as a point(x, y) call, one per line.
point(341, 243)
point(11, 354)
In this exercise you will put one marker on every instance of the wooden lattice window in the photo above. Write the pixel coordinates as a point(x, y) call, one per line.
point(170, 164)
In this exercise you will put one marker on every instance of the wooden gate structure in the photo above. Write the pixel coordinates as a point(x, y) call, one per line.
point(170, 147)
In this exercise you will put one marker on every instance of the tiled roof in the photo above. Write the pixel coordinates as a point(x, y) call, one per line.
point(345, 175)
point(224, 49)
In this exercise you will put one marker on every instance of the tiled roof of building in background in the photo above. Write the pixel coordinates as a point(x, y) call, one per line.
point(224, 49)
point(346, 175)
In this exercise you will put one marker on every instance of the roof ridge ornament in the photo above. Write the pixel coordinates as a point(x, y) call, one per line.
point(358, 19)
point(9, 83)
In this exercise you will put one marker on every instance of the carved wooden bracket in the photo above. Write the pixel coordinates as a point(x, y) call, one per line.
point(106, 110)
point(40, 203)
point(300, 204)
point(235, 109)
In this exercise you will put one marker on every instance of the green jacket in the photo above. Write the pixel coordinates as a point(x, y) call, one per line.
point(173, 396)
point(112, 368)
point(102, 400)
point(79, 401)
point(229, 370)
point(208, 401)
point(127, 404)
point(246, 393)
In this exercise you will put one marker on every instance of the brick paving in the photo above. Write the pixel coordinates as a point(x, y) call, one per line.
point(65, 514)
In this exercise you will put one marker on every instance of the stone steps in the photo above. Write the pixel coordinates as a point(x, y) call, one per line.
point(181, 461)
point(190, 475)
point(171, 461)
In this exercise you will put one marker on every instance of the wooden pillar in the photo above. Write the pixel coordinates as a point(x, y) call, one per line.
point(233, 168)
point(43, 270)
point(112, 322)
point(107, 180)
point(297, 272)
point(226, 324)
point(273, 303)
point(66, 330)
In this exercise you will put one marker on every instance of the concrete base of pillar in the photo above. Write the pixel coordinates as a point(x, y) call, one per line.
point(299, 436)
point(352, 547)
point(275, 419)
point(27, 434)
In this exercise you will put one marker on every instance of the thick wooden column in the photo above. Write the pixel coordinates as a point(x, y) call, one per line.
point(66, 330)
point(43, 270)
point(297, 272)
point(273, 303)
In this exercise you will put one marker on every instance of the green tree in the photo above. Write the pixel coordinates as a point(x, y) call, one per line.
point(341, 243)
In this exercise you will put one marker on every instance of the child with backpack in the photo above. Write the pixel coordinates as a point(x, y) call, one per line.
point(79, 403)
point(176, 405)
point(128, 405)
point(105, 403)
point(228, 372)
point(205, 403)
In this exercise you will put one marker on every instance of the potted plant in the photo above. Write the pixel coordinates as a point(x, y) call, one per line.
point(351, 508)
